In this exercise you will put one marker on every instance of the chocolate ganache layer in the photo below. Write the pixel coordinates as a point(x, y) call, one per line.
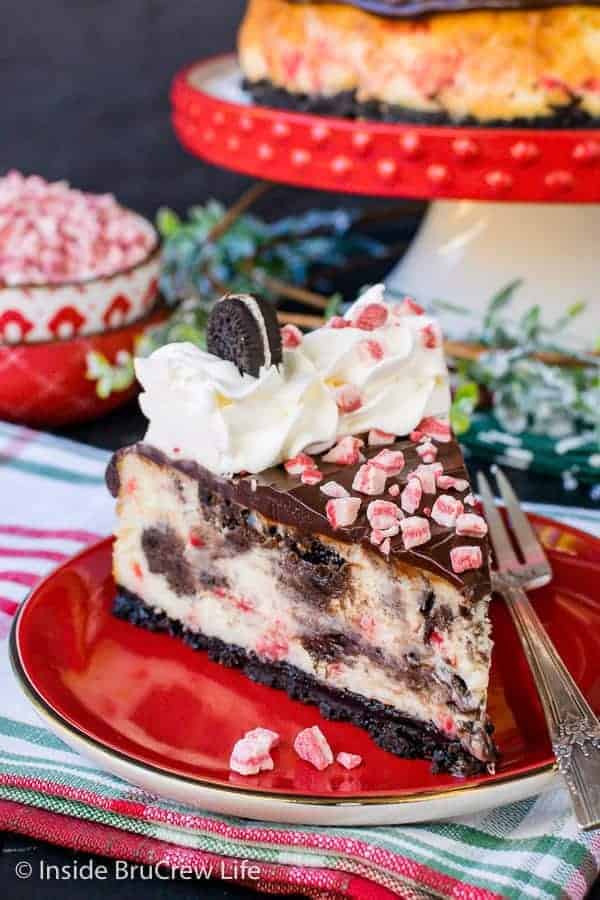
point(408, 8)
point(282, 498)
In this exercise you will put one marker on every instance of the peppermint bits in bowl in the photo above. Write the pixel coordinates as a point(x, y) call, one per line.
point(71, 263)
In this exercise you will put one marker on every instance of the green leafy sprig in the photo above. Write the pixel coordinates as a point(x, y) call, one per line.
point(527, 393)
point(285, 250)
point(247, 258)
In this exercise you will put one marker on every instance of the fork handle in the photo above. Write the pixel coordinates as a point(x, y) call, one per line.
point(574, 729)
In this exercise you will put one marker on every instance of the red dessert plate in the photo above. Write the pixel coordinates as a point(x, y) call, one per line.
point(163, 716)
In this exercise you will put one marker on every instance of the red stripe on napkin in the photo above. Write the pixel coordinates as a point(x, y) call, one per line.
point(88, 837)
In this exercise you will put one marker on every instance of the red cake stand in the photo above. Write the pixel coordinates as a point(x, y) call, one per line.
point(509, 203)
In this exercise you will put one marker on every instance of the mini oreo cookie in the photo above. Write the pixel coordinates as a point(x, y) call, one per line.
point(244, 330)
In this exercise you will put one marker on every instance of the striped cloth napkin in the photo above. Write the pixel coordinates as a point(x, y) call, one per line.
point(53, 502)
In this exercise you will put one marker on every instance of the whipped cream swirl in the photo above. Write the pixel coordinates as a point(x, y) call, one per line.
point(399, 368)
point(201, 408)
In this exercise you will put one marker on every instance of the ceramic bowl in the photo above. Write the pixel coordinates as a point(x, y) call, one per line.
point(30, 313)
point(46, 383)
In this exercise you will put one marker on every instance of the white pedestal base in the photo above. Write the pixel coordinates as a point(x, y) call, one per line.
point(465, 251)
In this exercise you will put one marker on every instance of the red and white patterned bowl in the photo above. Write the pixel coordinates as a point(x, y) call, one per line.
point(45, 384)
point(46, 312)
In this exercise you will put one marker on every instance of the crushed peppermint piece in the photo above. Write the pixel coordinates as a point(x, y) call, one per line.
point(416, 436)
point(394, 490)
point(427, 451)
point(446, 510)
point(383, 514)
point(415, 531)
point(465, 557)
point(431, 336)
point(426, 473)
point(270, 738)
point(368, 626)
point(379, 438)
point(349, 760)
point(297, 464)
point(411, 496)
point(339, 322)
point(391, 461)
point(409, 307)
point(346, 452)
point(348, 398)
point(250, 755)
point(311, 746)
point(334, 489)
point(195, 538)
point(438, 429)
point(51, 233)
point(370, 316)
point(273, 643)
point(470, 500)
point(370, 351)
point(369, 480)
point(377, 537)
point(436, 638)
point(386, 547)
point(342, 511)
point(448, 481)
point(471, 525)
point(291, 337)
point(311, 476)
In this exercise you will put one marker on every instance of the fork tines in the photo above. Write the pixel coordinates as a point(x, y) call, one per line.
point(535, 569)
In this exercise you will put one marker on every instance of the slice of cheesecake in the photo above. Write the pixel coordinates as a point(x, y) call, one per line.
point(352, 574)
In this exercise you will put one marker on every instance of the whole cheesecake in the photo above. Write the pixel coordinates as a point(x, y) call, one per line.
point(478, 62)
point(303, 513)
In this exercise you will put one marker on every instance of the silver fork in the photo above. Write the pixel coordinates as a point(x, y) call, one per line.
point(573, 727)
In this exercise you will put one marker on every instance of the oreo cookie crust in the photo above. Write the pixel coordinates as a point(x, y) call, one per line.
point(398, 734)
point(347, 106)
point(245, 331)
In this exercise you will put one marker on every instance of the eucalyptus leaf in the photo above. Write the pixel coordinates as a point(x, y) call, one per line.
point(167, 222)
point(530, 323)
point(445, 305)
point(499, 301)
point(468, 391)
point(460, 421)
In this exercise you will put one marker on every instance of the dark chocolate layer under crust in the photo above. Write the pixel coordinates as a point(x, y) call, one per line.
point(398, 734)
point(346, 106)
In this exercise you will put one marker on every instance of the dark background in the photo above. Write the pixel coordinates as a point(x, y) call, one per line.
point(85, 93)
